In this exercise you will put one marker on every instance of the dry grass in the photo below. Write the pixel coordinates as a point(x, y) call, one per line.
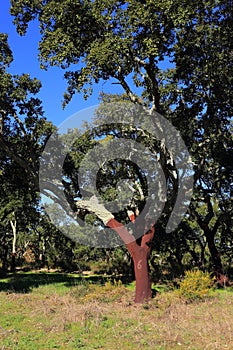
point(61, 321)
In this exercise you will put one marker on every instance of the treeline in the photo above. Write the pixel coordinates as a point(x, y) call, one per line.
point(194, 93)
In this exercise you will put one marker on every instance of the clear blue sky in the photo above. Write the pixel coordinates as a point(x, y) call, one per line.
point(25, 51)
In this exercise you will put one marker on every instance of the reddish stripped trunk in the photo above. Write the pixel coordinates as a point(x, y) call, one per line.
point(140, 254)
point(139, 250)
point(143, 283)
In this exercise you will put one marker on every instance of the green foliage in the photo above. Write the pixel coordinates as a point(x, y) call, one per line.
point(106, 37)
point(23, 131)
point(128, 41)
point(195, 285)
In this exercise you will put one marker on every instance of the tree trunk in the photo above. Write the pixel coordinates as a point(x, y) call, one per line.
point(215, 255)
point(13, 254)
point(143, 284)
point(221, 279)
point(140, 253)
point(139, 250)
point(13, 262)
point(4, 258)
point(42, 254)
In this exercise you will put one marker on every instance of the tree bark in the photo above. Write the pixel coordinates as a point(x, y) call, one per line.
point(13, 254)
point(139, 250)
point(13, 262)
point(221, 279)
point(4, 259)
point(215, 255)
point(143, 283)
point(140, 253)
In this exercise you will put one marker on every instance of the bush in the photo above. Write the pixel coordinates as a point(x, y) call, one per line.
point(195, 285)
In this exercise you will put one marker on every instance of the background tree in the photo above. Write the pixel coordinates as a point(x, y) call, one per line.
point(200, 91)
point(22, 135)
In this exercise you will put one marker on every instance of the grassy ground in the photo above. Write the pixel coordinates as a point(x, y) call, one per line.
point(55, 311)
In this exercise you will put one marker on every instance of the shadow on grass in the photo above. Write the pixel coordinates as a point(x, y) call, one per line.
point(25, 282)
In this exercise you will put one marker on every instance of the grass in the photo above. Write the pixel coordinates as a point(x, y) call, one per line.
point(65, 312)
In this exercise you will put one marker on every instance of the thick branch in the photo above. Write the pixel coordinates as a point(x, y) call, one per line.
point(141, 62)
point(127, 89)
point(21, 125)
point(92, 205)
point(147, 239)
point(210, 214)
point(155, 95)
point(204, 226)
point(126, 237)
point(220, 219)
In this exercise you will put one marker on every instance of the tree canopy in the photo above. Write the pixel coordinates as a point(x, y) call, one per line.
point(24, 130)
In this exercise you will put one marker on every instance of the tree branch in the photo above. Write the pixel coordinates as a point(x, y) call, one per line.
point(126, 87)
point(23, 164)
point(20, 123)
point(93, 206)
point(150, 69)
point(147, 239)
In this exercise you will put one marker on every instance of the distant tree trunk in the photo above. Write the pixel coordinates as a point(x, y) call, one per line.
point(221, 279)
point(215, 255)
point(4, 257)
point(13, 253)
point(42, 254)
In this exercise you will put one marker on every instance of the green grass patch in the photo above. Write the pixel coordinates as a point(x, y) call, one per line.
point(68, 312)
point(25, 282)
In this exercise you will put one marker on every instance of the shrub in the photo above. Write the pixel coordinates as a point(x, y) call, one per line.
point(108, 292)
point(195, 285)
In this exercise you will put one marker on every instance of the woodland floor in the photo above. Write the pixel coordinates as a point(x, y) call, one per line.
point(56, 311)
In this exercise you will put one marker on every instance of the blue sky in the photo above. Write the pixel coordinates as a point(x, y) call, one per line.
point(25, 51)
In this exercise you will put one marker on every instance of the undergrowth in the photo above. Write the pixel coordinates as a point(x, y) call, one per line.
point(92, 316)
point(196, 285)
point(107, 293)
